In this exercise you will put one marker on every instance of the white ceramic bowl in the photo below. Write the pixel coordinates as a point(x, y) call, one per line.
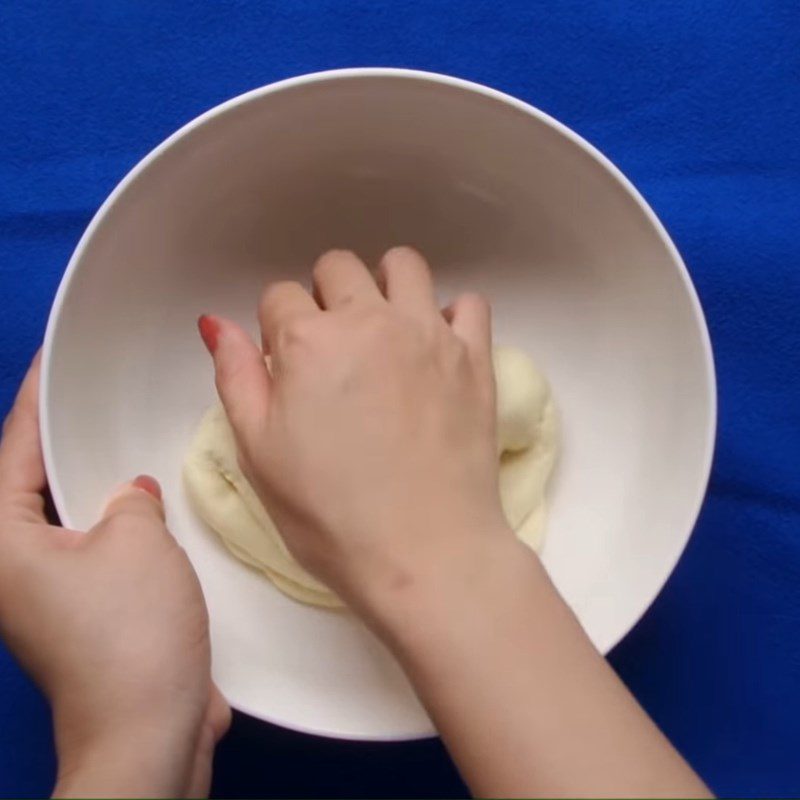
point(503, 199)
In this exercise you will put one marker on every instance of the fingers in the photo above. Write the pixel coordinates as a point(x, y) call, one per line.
point(21, 465)
point(140, 498)
point(470, 317)
point(341, 277)
point(407, 281)
point(282, 302)
point(240, 374)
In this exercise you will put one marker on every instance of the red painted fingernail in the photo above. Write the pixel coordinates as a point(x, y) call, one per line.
point(209, 331)
point(149, 485)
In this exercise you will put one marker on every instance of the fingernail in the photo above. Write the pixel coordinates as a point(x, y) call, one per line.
point(149, 485)
point(209, 331)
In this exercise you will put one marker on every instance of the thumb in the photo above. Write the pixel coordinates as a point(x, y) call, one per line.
point(140, 498)
point(241, 375)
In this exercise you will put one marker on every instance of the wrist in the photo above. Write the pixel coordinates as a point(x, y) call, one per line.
point(444, 589)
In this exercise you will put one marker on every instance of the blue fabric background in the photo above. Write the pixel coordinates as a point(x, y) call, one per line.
point(697, 102)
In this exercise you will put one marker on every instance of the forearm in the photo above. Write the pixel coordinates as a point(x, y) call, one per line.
point(133, 761)
point(525, 704)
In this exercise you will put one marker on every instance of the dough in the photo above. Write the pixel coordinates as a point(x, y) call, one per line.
point(527, 444)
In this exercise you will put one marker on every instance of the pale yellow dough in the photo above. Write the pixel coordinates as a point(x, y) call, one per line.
point(527, 444)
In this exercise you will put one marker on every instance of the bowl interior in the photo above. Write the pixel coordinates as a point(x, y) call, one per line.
point(501, 200)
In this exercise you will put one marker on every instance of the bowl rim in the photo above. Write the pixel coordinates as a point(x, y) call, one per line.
point(444, 80)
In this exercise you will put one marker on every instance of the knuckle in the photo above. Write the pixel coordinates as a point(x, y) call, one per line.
point(272, 294)
point(376, 321)
point(330, 260)
point(297, 331)
point(323, 265)
point(388, 261)
point(319, 269)
point(401, 252)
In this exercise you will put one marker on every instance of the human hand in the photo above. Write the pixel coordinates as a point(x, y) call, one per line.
point(371, 440)
point(113, 627)
point(371, 437)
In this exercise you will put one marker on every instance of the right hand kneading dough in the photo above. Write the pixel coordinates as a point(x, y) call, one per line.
point(527, 444)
